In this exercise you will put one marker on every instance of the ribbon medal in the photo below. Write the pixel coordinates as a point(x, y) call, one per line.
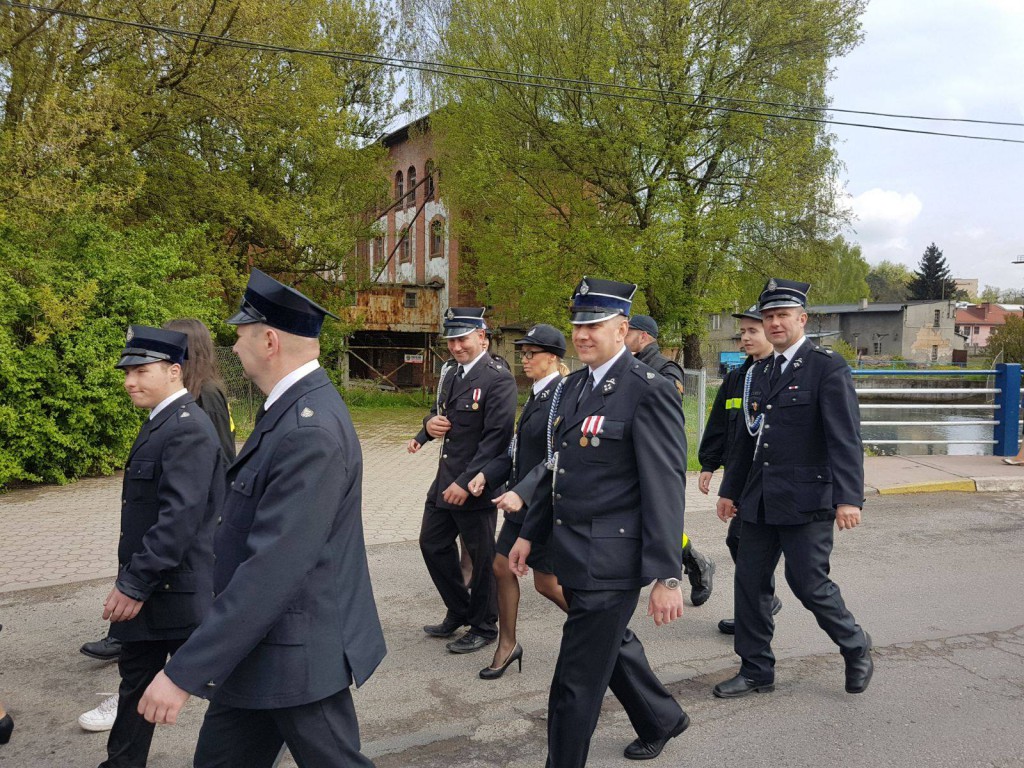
point(591, 426)
point(476, 398)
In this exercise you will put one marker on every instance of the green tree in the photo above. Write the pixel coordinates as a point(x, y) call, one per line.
point(693, 197)
point(888, 282)
point(1009, 339)
point(840, 273)
point(932, 280)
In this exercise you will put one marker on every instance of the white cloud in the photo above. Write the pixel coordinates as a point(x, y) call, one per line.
point(885, 213)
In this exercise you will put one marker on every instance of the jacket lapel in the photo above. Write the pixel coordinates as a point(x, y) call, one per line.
point(156, 422)
point(791, 367)
point(593, 402)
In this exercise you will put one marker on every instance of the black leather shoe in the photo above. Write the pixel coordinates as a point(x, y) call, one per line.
point(776, 606)
point(6, 728)
point(859, 670)
point(728, 626)
point(700, 570)
point(446, 628)
point(493, 673)
point(639, 749)
point(107, 649)
point(741, 686)
point(469, 643)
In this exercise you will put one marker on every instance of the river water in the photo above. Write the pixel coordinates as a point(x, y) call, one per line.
point(950, 430)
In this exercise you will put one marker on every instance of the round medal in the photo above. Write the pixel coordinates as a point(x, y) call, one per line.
point(595, 441)
point(583, 441)
point(476, 406)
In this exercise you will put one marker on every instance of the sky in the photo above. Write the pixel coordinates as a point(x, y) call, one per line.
point(944, 58)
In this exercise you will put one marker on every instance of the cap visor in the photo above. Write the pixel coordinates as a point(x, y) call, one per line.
point(127, 360)
point(243, 318)
point(589, 318)
point(780, 304)
point(458, 333)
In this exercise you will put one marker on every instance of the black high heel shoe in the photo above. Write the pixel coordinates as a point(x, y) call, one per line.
point(493, 673)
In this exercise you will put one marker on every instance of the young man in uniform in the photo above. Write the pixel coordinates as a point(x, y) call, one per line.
point(173, 487)
point(474, 417)
point(801, 471)
point(724, 420)
point(642, 341)
point(610, 504)
point(293, 623)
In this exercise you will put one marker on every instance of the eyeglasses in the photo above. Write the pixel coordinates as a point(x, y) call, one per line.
point(530, 355)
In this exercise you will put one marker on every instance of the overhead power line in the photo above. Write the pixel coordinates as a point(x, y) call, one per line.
point(546, 82)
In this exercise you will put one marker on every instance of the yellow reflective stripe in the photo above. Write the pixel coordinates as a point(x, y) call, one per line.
point(734, 402)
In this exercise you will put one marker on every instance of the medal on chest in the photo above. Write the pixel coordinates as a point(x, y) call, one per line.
point(476, 399)
point(590, 428)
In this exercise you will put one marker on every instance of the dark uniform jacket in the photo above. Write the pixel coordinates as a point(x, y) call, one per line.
point(651, 356)
point(294, 619)
point(615, 521)
point(530, 444)
point(810, 458)
point(724, 419)
point(173, 487)
point(482, 409)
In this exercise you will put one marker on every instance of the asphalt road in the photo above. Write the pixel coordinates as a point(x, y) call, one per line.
point(937, 579)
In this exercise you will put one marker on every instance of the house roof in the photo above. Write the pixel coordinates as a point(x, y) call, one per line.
point(839, 309)
point(986, 314)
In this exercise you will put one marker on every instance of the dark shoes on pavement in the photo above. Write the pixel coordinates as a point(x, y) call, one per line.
point(741, 686)
point(700, 570)
point(446, 628)
point(859, 670)
point(469, 643)
point(6, 728)
point(107, 649)
point(493, 673)
point(639, 749)
point(728, 626)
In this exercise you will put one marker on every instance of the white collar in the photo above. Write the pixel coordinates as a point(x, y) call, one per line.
point(789, 352)
point(601, 371)
point(167, 401)
point(469, 366)
point(286, 383)
point(538, 386)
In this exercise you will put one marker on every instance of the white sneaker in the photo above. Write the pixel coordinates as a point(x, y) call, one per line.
point(101, 718)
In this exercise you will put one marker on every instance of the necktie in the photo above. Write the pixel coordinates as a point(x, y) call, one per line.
point(260, 412)
point(586, 389)
point(459, 371)
point(777, 364)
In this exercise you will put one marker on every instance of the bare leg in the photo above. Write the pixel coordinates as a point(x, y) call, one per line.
point(547, 585)
point(508, 609)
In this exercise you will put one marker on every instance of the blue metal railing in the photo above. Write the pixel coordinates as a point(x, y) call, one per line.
point(1006, 406)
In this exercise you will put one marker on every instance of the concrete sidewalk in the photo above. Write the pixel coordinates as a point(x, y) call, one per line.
point(929, 474)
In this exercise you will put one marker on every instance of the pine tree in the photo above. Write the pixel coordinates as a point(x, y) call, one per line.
point(932, 280)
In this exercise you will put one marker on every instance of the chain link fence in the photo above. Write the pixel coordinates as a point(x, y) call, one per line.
point(244, 397)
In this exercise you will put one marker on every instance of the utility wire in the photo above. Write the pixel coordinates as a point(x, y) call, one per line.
point(517, 79)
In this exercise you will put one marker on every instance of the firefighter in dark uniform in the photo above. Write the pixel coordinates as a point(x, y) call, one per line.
point(642, 341)
point(473, 416)
point(799, 469)
point(609, 502)
point(722, 424)
point(173, 487)
point(294, 622)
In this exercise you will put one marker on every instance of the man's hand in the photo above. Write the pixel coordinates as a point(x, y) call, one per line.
point(438, 426)
point(704, 482)
point(509, 502)
point(665, 605)
point(517, 557)
point(119, 607)
point(476, 485)
point(725, 509)
point(455, 494)
point(162, 701)
point(412, 446)
point(847, 516)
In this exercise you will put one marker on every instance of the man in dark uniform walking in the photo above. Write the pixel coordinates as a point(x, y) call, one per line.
point(173, 486)
point(724, 420)
point(474, 417)
point(610, 503)
point(293, 623)
point(802, 471)
point(642, 341)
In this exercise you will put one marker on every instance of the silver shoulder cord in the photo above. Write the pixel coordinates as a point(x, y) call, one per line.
point(552, 459)
point(437, 403)
point(756, 424)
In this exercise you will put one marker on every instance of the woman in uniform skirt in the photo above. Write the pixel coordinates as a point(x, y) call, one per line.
point(541, 351)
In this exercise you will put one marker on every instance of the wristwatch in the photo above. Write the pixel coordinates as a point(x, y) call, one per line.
point(670, 583)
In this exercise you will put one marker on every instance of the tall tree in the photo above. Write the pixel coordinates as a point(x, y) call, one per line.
point(840, 273)
point(690, 177)
point(888, 282)
point(932, 280)
point(1009, 339)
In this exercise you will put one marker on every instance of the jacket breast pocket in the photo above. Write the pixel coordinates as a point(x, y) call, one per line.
point(173, 604)
point(608, 446)
point(796, 397)
point(239, 509)
point(140, 480)
point(467, 410)
point(615, 544)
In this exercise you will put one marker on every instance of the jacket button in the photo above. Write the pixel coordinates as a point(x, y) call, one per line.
point(232, 483)
point(124, 501)
point(565, 445)
point(558, 521)
point(561, 471)
point(558, 495)
point(220, 519)
point(211, 684)
point(768, 407)
point(819, 477)
point(767, 425)
point(122, 534)
point(766, 463)
point(444, 455)
point(766, 445)
point(622, 530)
point(167, 586)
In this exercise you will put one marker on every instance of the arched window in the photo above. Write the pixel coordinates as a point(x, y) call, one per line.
point(437, 238)
point(428, 169)
point(400, 189)
point(411, 178)
point(378, 251)
point(405, 247)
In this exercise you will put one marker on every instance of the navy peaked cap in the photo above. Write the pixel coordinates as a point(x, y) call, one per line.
point(280, 306)
point(545, 336)
point(644, 323)
point(750, 313)
point(595, 300)
point(144, 344)
point(462, 321)
point(779, 293)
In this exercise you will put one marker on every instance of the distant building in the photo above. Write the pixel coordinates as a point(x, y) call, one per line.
point(967, 285)
point(977, 322)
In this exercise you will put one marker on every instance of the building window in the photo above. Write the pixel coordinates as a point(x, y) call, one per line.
point(715, 322)
point(937, 321)
point(378, 251)
point(437, 238)
point(977, 329)
point(405, 246)
point(428, 171)
point(410, 300)
point(877, 348)
point(935, 353)
point(400, 189)
point(410, 200)
point(956, 329)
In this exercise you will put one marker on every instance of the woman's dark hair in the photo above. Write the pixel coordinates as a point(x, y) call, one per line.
point(200, 366)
